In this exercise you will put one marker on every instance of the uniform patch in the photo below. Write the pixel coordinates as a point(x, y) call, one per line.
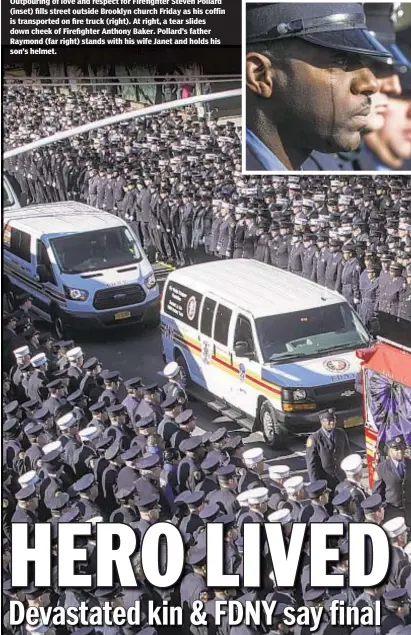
point(309, 442)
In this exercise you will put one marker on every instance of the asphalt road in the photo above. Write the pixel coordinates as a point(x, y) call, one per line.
point(137, 351)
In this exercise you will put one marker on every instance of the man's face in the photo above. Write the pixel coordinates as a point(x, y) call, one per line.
point(388, 84)
point(396, 133)
point(316, 97)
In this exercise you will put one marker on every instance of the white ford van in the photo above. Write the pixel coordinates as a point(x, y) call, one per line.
point(11, 199)
point(272, 345)
point(83, 267)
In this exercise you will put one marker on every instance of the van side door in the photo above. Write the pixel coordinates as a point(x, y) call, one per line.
point(47, 278)
point(245, 387)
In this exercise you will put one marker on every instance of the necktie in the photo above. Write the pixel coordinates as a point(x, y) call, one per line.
point(401, 469)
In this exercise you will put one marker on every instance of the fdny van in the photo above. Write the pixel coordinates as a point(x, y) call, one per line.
point(83, 267)
point(272, 345)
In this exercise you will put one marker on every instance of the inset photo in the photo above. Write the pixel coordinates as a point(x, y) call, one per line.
point(326, 87)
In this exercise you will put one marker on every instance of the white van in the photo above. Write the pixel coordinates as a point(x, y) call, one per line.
point(272, 345)
point(11, 199)
point(83, 267)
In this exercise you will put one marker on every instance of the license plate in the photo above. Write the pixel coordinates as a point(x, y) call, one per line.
point(122, 315)
point(352, 422)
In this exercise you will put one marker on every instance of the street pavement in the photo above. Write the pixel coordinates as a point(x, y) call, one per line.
point(137, 351)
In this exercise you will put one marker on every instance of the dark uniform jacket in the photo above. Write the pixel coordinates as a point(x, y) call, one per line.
point(394, 489)
point(324, 456)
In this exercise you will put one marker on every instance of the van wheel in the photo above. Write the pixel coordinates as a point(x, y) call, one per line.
point(185, 373)
point(60, 328)
point(269, 425)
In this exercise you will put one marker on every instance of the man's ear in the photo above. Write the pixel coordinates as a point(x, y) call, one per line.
point(258, 74)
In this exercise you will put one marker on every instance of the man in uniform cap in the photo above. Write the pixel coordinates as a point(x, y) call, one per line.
point(316, 511)
point(167, 426)
point(374, 509)
point(226, 495)
point(87, 489)
point(37, 383)
point(397, 608)
point(57, 395)
point(326, 448)
point(175, 384)
point(112, 381)
point(254, 462)
point(397, 533)
point(150, 404)
point(193, 585)
point(148, 507)
point(352, 466)
point(27, 504)
point(308, 79)
point(134, 387)
point(392, 480)
point(75, 372)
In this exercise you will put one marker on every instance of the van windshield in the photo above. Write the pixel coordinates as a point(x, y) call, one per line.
point(310, 333)
point(92, 251)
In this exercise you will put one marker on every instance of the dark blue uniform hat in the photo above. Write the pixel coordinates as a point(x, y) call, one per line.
point(211, 461)
point(58, 501)
point(31, 404)
point(218, 435)
point(148, 462)
point(56, 383)
point(147, 502)
point(125, 492)
point(11, 407)
point(70, 515)
point(190, 444)
point(134, 382)
point(184, 417)
point(91, 363)
point(131, 453)
point(116, 409)
point(210, 511)
point(99, 406)
point(103, 443)
point(169, 402)
point(313, 595)
point(228, 520)
point(195, 498)
point(372, 503)
point(226, 471)
point(41, 413)
point(197, 557)
point(146, 422)
point(181, 499)
point(381, 19)
point(26, 492)
point(342, 498)
point(150, 388)
point(395, 597)
point(111, 375)
point(113, 451)
point(84, 483)
point(11, 425)
point(33, 428)
point(75, 396)
point(316, 488)
point(339, 26)
point(397, 443)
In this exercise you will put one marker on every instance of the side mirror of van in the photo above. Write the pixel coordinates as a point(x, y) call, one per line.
point(242, 349)
point(374, 326)
point(42, 273)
